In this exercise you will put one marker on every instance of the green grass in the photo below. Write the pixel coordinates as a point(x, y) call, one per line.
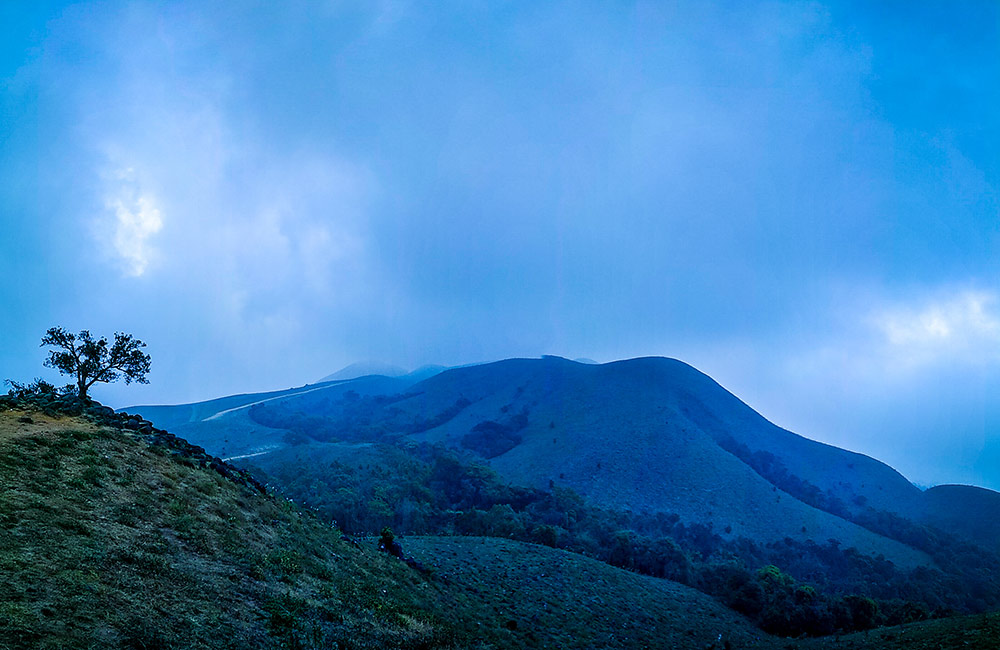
point(980, 632)
point(107, 542)
point(542, 597)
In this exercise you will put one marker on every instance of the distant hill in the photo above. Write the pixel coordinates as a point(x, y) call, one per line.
point(223, 425)
point(972, 512)
point(645, 434)
point(365, 368)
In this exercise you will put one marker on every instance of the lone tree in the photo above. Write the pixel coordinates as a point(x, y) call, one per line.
point(92, 361)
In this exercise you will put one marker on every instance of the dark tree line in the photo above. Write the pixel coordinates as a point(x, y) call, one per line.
point(818, 589)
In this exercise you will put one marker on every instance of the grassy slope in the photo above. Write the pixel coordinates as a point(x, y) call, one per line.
point(962, 632)
point(623, 435)
point(973, 512)
point(234, 434)
point(563, 600)
point(107, 542)
point(172, 416)
point(557, 599)
point(718, 412)
point(223, 425)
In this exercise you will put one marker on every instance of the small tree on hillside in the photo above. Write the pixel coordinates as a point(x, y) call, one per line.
point(92, 361)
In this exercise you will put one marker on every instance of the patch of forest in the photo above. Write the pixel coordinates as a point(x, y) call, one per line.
point(786, 587)
point(973, 569)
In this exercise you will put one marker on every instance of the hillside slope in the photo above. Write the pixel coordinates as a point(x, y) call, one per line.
point(110, 541)
point(644, 434)
point(223, 425)
point(571, 601)
point(579, 603)
point(972, 512)
point(107, 541)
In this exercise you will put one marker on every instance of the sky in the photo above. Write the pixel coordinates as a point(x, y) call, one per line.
point(799, 199)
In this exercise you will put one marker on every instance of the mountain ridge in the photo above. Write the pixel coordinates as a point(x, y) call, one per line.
point(650, 433)
point(116, 507)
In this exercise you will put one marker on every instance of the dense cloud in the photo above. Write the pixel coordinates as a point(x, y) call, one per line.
point(799, 199)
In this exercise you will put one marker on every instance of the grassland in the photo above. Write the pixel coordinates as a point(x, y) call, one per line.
point(980, 632)
point(107, 541)
point(556, 599)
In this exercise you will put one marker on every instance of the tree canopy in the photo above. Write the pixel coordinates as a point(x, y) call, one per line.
point(92, 360)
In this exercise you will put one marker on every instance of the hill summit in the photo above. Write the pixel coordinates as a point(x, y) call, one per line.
point(648, 434)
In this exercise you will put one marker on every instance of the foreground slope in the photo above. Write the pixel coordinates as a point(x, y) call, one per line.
point(110, 541)
point(574, 602)
point(107, 541)
point(980, 632)
point(571, 601)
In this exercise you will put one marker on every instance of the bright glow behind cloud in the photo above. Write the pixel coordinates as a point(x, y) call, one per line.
point(136, 219)
point(312, 186)
point(964, 326)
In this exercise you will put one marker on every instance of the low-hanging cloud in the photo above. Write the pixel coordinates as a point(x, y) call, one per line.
point(955, 326)
point(771, 192)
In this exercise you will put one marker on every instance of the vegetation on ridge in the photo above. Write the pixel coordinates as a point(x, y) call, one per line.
point(89, 360)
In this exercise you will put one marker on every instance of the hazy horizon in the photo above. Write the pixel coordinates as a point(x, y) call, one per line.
point(798, 199)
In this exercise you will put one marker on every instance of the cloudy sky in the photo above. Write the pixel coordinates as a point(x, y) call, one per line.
point(800, 199)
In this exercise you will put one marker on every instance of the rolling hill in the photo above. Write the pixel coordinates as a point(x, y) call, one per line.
point(116, 534)
point(223, 425)
point(644, 434)
point(652, 444)
point(972, 512)
point(111, 539)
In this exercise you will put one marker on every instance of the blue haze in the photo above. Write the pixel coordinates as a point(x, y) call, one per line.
point(799, 199)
